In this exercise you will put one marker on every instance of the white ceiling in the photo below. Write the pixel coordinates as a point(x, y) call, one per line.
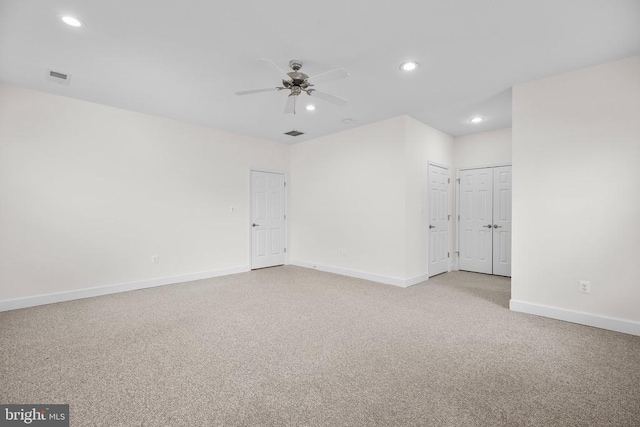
point(185, 60)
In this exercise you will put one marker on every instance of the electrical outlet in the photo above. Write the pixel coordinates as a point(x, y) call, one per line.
point(343, 252)
point(155, 259)
point(585, 286)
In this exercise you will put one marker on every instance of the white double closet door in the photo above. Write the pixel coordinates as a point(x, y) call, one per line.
point(485, 220)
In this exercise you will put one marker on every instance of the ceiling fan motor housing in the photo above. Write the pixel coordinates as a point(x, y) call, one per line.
point(298, 78)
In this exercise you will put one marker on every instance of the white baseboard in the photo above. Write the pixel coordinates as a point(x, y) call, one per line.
point(603, 322)
point(415, 280)
point(388, 280)
point(14, 304)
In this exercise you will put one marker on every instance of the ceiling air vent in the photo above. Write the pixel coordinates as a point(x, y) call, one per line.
point(294, 133)
point(58, 77)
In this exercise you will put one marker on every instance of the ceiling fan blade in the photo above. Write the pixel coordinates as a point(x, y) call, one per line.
point(291, 104)
point(249, 92)
point(283, 74)
point(335, 100)
point(328, 76)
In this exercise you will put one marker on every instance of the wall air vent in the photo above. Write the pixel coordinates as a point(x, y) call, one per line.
point(58, 77)
point(294, 133)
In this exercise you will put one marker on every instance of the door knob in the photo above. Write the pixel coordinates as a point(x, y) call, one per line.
point(255, 225)
point(432, 226)
point(497, 226)
point(488, 226)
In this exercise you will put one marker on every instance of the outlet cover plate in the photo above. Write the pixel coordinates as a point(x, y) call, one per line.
point(585, 286)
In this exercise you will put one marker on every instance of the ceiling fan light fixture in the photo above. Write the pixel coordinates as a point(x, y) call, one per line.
point(72, 21)
point(298, 83)
point(408, 66)
point(476, 120)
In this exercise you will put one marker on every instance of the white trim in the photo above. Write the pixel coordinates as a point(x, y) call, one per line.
point(415, 280)
point(456, 218)
point(249, 213)
point(582, 318)
point(493, 165)
point(14, 304)
point(268, 171)
point(425, 220)
point(440, 165)
point(388, 280)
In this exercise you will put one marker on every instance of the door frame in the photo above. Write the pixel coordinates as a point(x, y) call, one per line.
point(250, 211)
point(456, 264)
point(425, 217)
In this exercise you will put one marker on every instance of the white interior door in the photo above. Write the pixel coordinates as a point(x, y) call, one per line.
point(502, 221)
point(267, 219)
point(476, 216)
point(438, 220)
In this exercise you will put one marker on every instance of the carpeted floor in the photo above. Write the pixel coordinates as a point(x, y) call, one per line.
point(289, 346)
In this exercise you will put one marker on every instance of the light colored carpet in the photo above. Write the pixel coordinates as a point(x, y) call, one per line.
point(291, 346)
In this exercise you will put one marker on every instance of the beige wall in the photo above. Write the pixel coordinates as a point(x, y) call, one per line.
point(576, 190)
point(89, 193)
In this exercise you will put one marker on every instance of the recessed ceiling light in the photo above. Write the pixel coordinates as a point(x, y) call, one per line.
point(311, 107)
point(72, 21)
point(346, 121)
point(408, 66)
point(476, 120)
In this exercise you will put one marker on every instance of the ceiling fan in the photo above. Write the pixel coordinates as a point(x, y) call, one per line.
point(298, 82)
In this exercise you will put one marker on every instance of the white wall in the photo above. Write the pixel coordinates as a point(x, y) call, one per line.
point(576, 191)
point(363, 190)
point(88, 193)
point(347, 192)
point(485, 148)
